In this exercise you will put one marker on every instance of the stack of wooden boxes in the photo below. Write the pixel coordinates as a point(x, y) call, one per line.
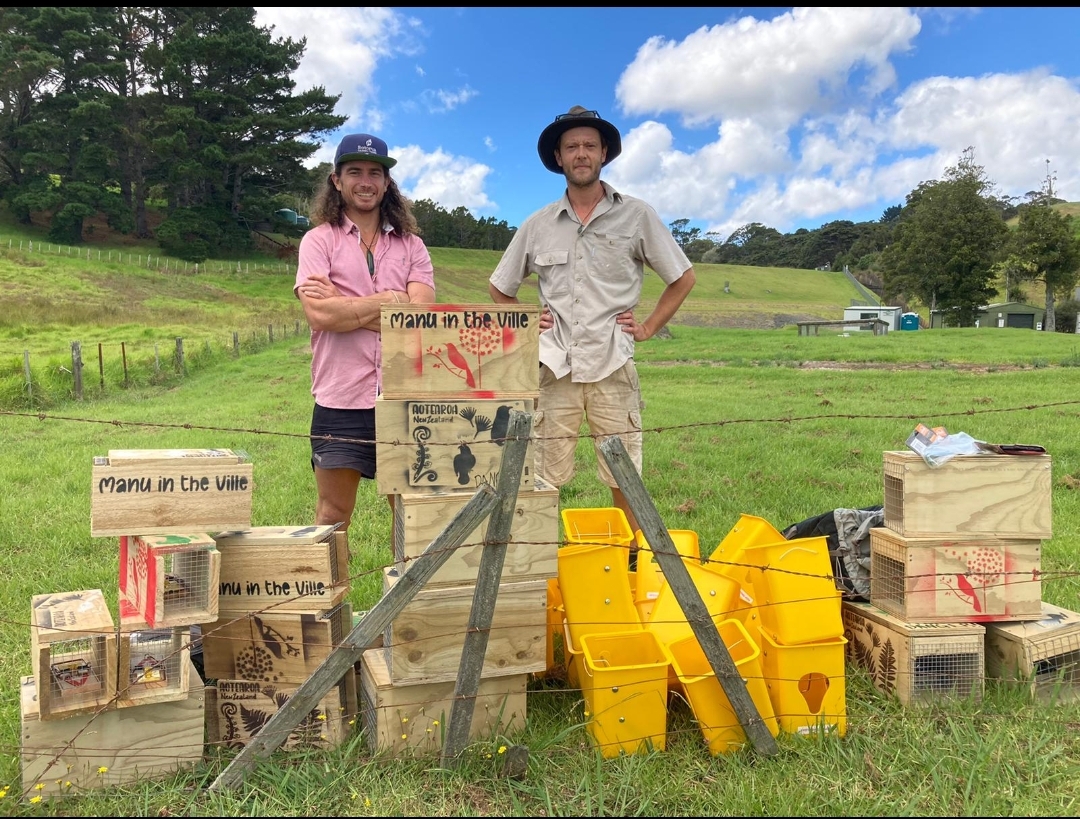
point(281, 611)
point(958, 555)
point(111, 703)
point(451, 375)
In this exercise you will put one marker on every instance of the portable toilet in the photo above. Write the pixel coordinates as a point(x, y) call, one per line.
point(909, 321)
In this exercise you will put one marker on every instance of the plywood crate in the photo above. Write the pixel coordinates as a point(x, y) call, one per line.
point(153, 664)
point(1043, 654)
point(1006, 496)
point(236, 710)
point(531, 553)
point(274, 648)
point(171, 580)
point(460, 350)
point(168, 491)
point(291, 568)
point(916, 662)
point(957, 580)
point(111, 748)
point(443, 445)
point(73, 648)
point(426, 639)
point(414, 718)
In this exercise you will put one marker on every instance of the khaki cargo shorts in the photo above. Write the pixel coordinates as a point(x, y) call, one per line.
point(609, 407)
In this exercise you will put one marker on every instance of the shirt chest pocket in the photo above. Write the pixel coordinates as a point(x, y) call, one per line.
point(613, 256)
point(550, 268)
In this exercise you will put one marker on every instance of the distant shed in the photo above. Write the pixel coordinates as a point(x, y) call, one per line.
point(1005, 314)
point(870, 311)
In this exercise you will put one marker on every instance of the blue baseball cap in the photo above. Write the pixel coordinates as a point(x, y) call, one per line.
point(363, 147)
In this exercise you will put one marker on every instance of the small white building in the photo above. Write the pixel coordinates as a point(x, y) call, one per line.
point(870, 311)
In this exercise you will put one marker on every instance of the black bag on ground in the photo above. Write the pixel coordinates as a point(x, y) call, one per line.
point(847, 532)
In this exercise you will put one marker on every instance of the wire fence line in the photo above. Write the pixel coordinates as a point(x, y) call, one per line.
point(123, 365)
point(148, 260)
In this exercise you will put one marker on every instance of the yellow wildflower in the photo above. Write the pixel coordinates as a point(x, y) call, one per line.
point(502, 749)
point(103, 769)
point(436, 722)
point(322, 717)
point(367, 802)
point(40, 786)
point(34, 800)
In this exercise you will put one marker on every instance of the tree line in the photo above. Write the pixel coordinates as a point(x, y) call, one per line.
point(946, 248)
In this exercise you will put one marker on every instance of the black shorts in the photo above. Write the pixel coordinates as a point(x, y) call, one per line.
point(352, 445)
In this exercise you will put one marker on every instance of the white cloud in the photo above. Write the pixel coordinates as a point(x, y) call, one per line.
point(344, 47)
point(489, 143)
point(451, 181)
point(439, 101)
point(775, 71)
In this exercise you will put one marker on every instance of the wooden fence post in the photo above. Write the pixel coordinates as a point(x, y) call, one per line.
point(26, 369)
point(488, 578)
point(236, 344)
point(270, 332)
point(687, 595)
point(123, 355)
point(157, 360)
point(76, 369)
point(179, 354)
point(101, 366)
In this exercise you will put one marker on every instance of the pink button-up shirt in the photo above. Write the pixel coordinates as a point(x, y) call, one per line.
point(346, 368)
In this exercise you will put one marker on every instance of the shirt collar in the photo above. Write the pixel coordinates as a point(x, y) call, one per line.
point(350, 226)
point(610, 194)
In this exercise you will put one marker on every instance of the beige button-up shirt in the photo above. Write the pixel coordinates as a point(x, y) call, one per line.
point(587, 275)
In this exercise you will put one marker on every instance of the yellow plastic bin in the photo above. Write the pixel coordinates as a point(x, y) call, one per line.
point(625, 689)
point(596, 590)
point(601, 525)
point(650, 577)
point(796, 591)
point(748, 531)
point(806, 685)
point(712, 709)
point(719, 593)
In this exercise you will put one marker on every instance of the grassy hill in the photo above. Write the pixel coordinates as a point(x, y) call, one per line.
point(117, 289)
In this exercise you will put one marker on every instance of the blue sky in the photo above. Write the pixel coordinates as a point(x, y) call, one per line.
point(788, 117)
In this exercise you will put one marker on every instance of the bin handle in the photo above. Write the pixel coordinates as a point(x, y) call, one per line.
point(796, 549)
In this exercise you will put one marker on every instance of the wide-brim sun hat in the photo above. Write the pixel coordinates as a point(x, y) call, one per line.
point(576, 117)
point(364, 147)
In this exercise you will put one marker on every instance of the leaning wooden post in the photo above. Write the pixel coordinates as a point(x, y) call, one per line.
point(488, 578)
point(342, 659)
point(686, 593)
point(179, 357)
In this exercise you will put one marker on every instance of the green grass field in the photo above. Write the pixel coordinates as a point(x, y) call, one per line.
point(738, 422)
